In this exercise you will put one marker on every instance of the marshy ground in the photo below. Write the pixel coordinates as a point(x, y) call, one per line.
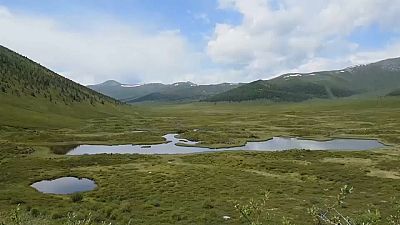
point(202, 188)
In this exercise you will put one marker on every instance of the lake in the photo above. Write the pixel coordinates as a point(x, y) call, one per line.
point(274, 144)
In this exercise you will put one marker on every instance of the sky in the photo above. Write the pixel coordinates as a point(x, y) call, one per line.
point(202, 41)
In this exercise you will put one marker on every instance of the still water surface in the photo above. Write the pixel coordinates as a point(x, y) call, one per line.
point(274, 144)
point(65, 185)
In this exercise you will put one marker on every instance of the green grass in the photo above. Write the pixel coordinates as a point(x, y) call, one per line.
point(39, 112)
point(201, 188)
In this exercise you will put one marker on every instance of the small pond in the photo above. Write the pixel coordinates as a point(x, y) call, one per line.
point(274, 144)
point(65, 185)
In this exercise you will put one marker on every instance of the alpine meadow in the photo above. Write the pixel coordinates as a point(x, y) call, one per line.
point(257, 112)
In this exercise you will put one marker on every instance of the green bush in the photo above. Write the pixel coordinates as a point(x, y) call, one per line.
point(76, 197)
point(34, 212)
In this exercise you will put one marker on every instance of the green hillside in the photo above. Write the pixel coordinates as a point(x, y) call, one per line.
point(374, 79)
point(284, 92)
point(119, 91)
point(257, 90)
point(182, 91)
point(20, 76)
point(185, 92)
point(156, 96)
point(31, 95)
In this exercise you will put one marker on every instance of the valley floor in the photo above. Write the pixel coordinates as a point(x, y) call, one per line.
point(203, 188)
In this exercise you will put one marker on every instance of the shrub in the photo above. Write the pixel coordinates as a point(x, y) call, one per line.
point(34, 212)
point(76, 197)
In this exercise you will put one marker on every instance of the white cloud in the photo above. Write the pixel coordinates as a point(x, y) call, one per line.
point(285, 35)
point(105, 50)
point(219, 75)
point(363, 57)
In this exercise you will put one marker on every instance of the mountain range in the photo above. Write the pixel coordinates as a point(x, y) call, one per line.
point(32, 93)
point(182, 91)
point(375, 79)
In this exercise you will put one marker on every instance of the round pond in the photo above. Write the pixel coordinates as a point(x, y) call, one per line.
point(65, 185)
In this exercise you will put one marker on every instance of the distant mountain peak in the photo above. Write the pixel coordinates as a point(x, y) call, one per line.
point(110, 83)
point(114, 83)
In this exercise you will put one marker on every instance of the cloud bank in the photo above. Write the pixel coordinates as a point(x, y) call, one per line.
point(273, 37)
point(105, 50)
point(287, 35)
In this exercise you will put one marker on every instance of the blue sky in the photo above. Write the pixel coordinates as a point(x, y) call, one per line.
point(194, 18)
point(204, 41)
point(372, 37)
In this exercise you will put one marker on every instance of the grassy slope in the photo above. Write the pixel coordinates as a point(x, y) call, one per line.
point(260, 90)
point(201, 188)
point(283, 90)
point(33, 96)
point(22, 77)
point(39, 112)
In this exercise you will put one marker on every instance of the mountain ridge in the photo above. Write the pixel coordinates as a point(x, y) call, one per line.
point(375, 78)
point(178, 91)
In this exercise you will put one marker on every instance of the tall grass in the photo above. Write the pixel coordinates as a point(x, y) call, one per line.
point(256, 212)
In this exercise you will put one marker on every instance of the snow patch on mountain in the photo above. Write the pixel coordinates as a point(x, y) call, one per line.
point(293, 75)
point(130, 85)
